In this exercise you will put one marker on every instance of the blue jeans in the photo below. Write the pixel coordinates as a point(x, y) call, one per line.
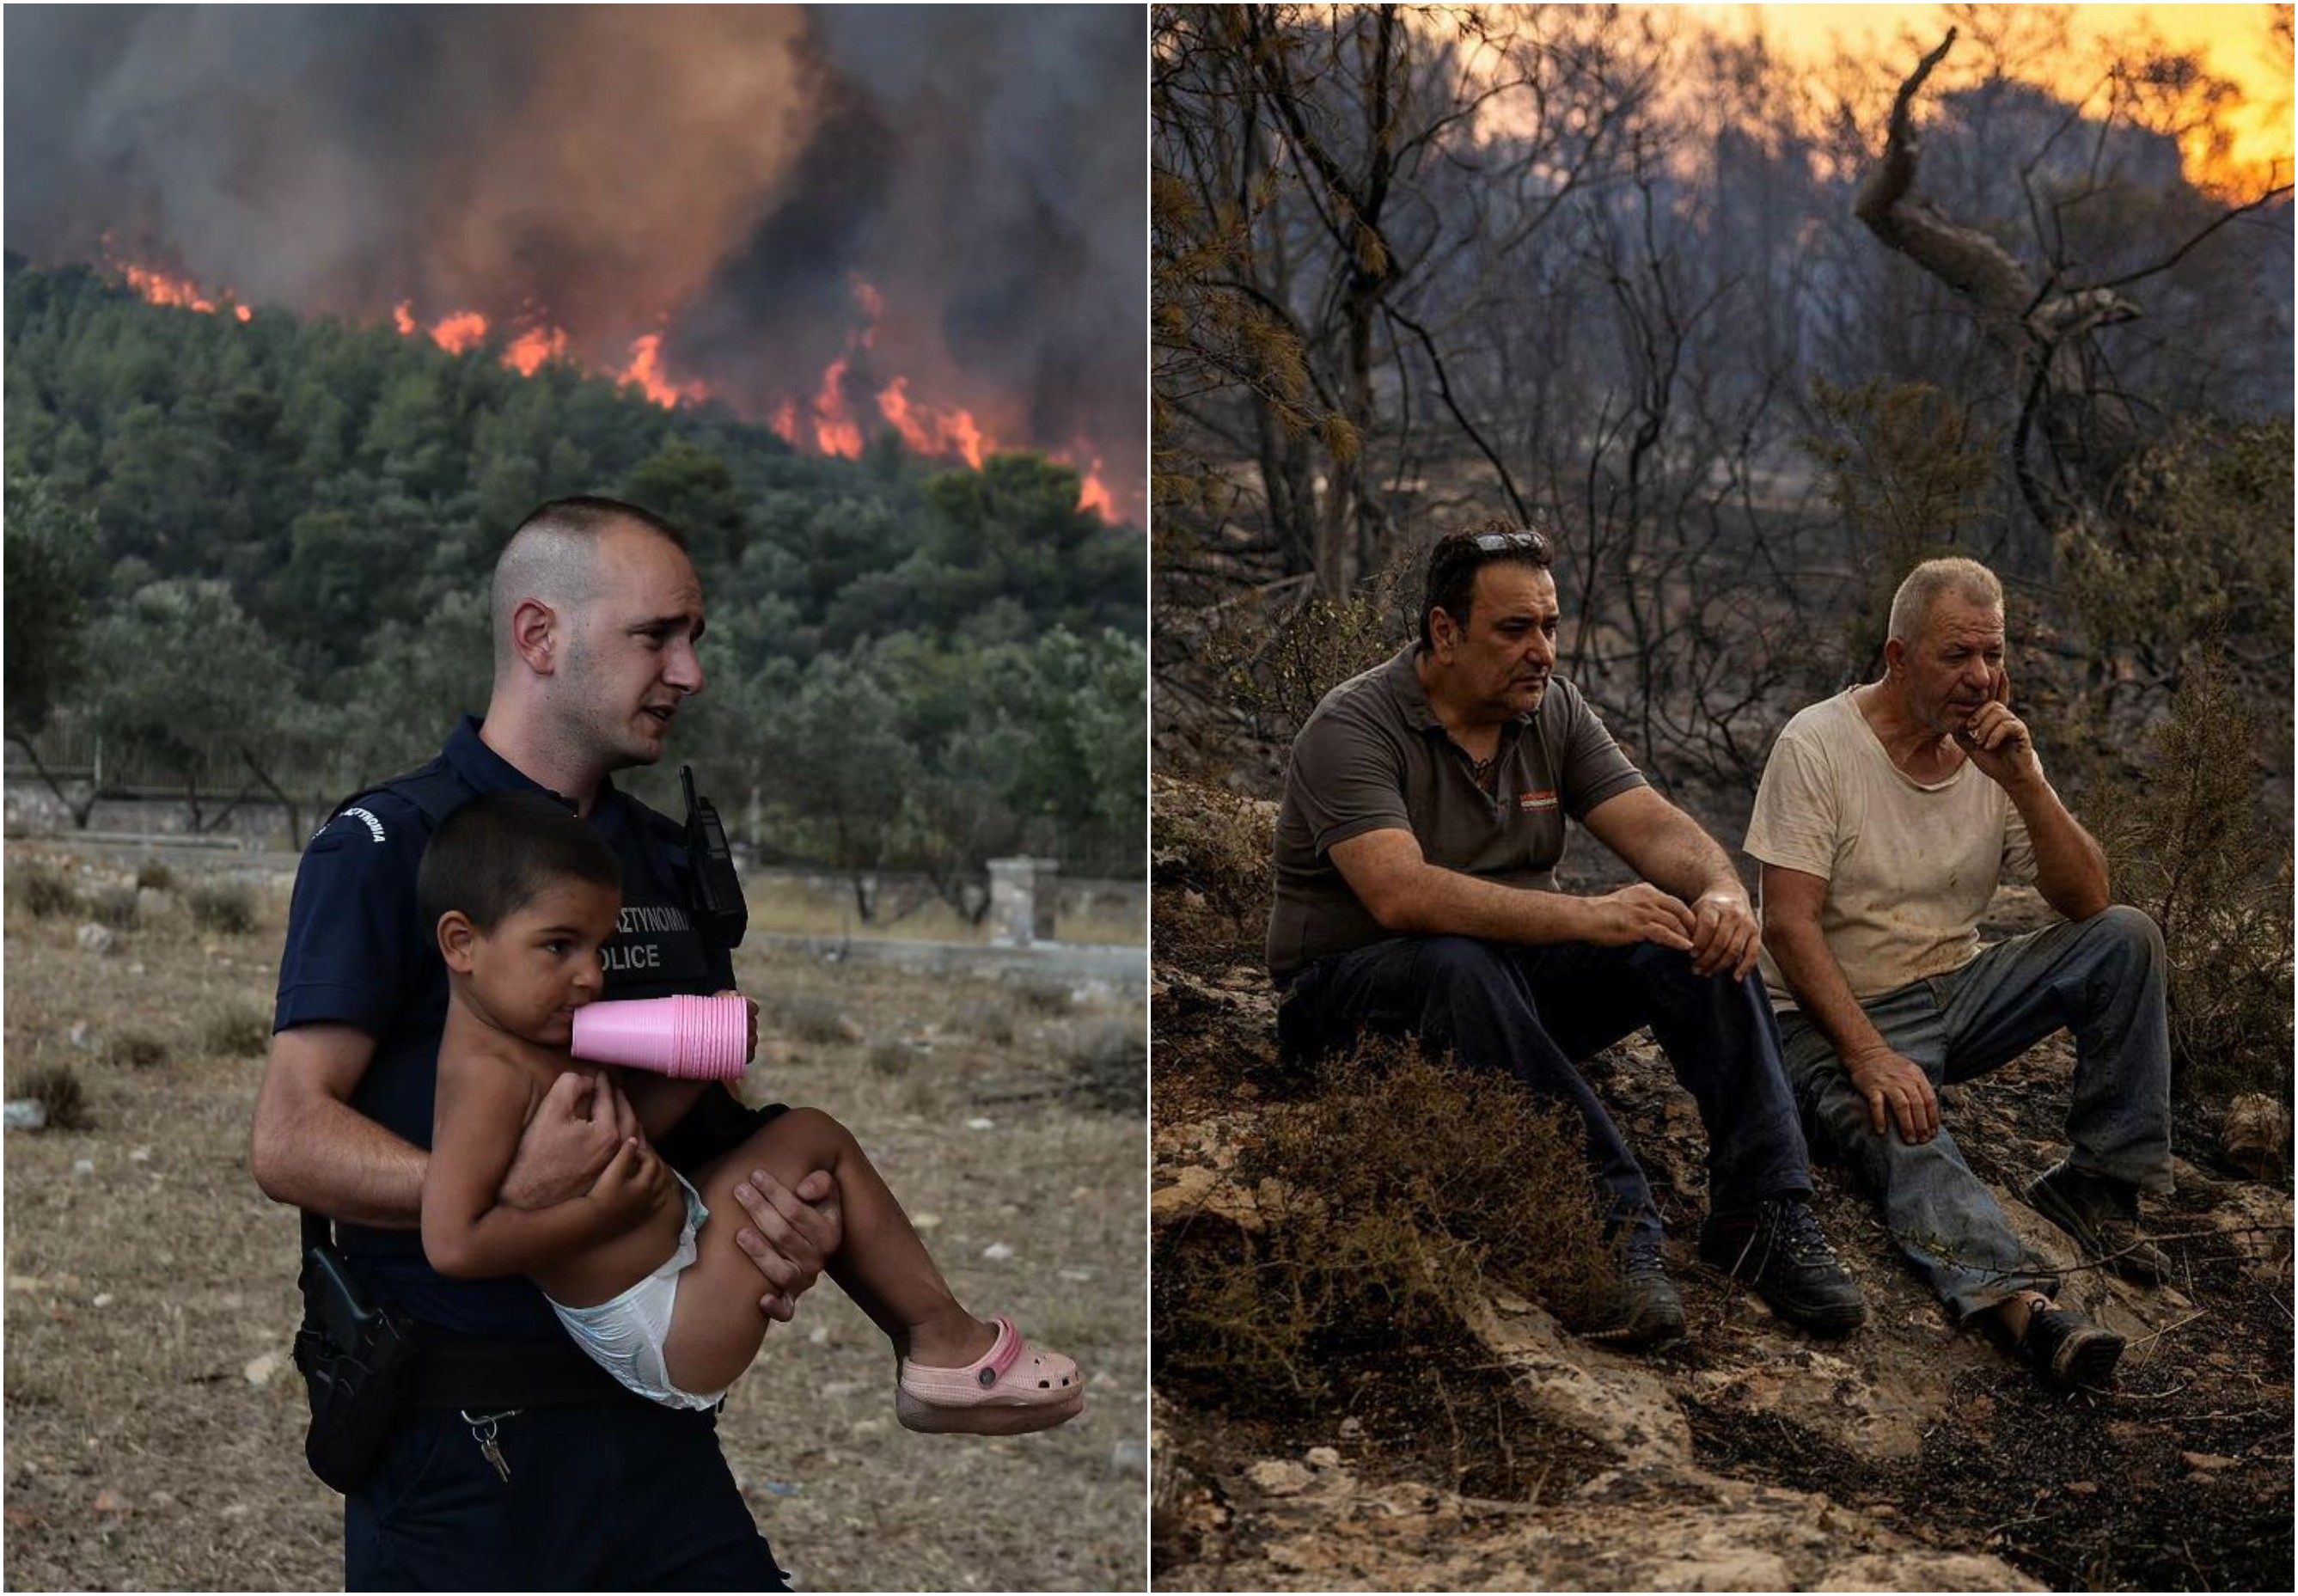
point(1533, 1011)
point(620, 1495)
point(2102, 979)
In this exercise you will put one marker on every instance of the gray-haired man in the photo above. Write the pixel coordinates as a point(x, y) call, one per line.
point(1885, 815)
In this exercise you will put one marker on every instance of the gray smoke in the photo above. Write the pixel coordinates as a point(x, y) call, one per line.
point(726, 174)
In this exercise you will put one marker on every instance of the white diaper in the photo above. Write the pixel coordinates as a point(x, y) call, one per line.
point(625, 1335)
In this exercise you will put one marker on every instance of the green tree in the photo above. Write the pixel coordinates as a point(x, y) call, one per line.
point(194, 684)
point(49, 551)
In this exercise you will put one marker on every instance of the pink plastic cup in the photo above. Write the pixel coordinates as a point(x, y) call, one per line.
point(691, 1039)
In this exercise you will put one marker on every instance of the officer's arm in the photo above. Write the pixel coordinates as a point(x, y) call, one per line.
point(312, 1149)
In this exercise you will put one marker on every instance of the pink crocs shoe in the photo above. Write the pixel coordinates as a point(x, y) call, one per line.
point(1012, 1389)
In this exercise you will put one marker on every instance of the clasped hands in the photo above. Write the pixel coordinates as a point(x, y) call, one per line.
point(1717, 929)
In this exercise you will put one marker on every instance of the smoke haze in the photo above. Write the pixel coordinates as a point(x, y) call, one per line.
point(728, 176)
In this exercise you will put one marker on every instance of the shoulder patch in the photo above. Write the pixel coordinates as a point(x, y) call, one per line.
point(365, 817)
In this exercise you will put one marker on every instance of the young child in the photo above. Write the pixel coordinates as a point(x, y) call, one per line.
point(523, 895)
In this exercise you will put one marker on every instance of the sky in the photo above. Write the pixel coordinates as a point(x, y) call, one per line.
point(2235, 40)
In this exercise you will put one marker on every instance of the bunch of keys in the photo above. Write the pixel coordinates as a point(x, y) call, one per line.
point(482, 1431)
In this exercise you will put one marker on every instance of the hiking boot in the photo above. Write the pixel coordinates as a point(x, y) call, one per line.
point(1779, 1251)
point(1647, 1313)
point(2101, 1215)
point(2068, 1351)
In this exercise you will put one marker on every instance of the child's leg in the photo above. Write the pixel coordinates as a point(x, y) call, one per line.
point(716, 1326)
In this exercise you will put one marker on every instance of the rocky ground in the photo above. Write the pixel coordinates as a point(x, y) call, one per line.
point(154, 1427)
point(1504, 1452)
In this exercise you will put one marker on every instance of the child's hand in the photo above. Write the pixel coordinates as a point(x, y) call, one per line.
point(631, 1187)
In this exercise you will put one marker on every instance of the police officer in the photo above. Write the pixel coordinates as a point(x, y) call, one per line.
point(519, 1464)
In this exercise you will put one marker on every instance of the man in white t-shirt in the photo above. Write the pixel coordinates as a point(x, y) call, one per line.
point(1886, 816)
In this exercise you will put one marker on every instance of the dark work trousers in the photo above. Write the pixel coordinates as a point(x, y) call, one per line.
point(602, 1496)
point(1533, 1011)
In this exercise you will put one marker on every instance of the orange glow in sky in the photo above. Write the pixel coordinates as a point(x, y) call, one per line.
point(2235, 43)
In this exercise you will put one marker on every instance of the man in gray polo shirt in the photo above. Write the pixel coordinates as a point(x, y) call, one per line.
point(1422, 822)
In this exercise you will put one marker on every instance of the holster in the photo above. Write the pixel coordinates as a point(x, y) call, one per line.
point(357, 1364)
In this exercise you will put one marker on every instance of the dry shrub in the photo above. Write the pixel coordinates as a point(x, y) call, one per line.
point(992, 1022)
point(1277, 663)
point(891, 1059)
point(226, 906)
point(115, 906)
point(46, 891)
point(57, 1089)
point(242, 1030)
point(154, 875)
point(810, 1017)
point(2185, 846)
point(1210, 851)
point(1110, 1060)
point(136, 1049)
point(1044, 995)
point(1404, 1186)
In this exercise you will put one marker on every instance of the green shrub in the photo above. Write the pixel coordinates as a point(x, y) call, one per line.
point(226, 905)
point(155, 875)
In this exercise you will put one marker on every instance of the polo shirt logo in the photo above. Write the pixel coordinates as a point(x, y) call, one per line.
point(1529, 801)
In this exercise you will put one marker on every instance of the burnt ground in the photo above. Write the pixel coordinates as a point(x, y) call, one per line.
point(1933, 1439)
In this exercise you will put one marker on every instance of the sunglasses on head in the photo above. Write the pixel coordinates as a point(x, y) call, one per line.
point(1505, 543)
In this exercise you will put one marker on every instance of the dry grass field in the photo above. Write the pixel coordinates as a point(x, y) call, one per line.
point(153, 1425)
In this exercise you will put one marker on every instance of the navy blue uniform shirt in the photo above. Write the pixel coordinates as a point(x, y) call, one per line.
point(358, 954)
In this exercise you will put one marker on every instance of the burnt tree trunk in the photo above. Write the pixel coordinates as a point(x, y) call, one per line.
point(2043, 330)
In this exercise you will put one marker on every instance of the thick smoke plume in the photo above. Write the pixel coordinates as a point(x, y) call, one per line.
point(738, 178)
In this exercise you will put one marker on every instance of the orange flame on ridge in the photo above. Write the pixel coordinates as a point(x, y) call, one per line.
point(645, 371)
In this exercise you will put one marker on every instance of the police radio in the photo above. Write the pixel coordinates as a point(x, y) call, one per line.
point(718, 903)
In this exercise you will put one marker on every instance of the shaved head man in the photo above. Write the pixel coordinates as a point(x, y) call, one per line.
point(563, 1480)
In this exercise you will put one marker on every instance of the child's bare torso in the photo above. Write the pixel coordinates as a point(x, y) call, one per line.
point(612, 1267)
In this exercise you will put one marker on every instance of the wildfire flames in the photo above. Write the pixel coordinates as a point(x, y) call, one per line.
point(827, 421)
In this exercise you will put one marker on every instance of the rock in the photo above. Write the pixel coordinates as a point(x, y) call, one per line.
point(2257, 1135)
point(1075, 1276)
point(998, 1251)
point(925, 1221)
point(1323, 1456)
point(978, 1124)
point(26, 1113)
point(2203, 1462)
point(83, 1166)
point(140, 1155)
point(259, 1369)
point(818, 1336)
point(1129, 1458)
point(93, 938)
point(108, 1501)
point(102, 1299)
point(77, 1036)
point(837, 1390)
point(1351, 1426)
point(1279, 1477)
